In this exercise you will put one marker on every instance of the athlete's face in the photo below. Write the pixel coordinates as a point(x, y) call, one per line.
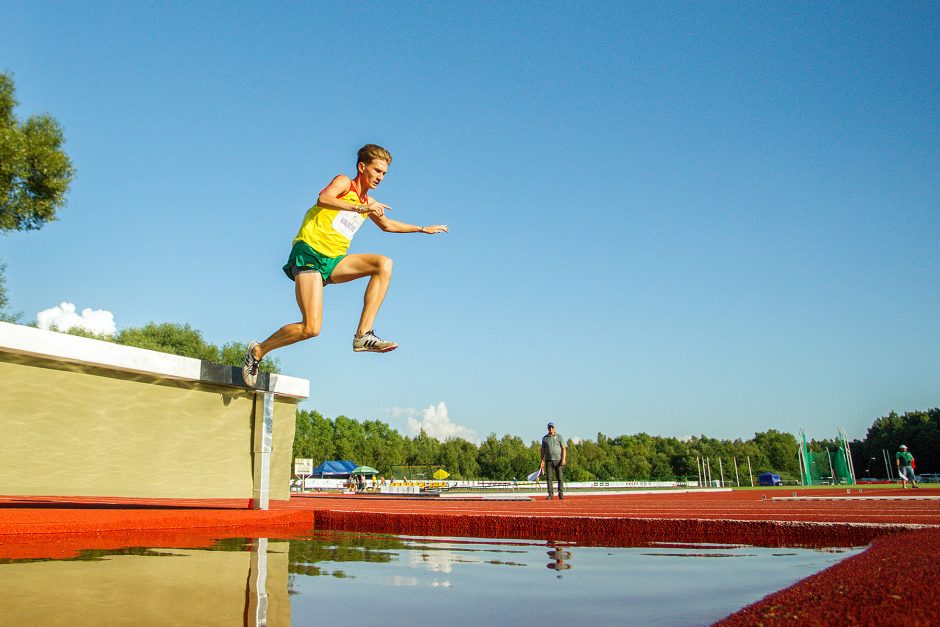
point(373, 172)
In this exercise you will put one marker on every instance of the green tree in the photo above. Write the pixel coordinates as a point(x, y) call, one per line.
point(919, 429)
point(574, 472)
point(507, 458)
point(169, 338)
point(742, 451)
point(348, 439)
point(35, 173)
point(493, 464)
point(313, 437)
point(182, 340)
point(459, 458)
point(233, 354)
point(5, 314)
point(780, 451)
point(383, 447)
point(522, 459)
point(590, 456)
point(423, 450)
point(821, 446)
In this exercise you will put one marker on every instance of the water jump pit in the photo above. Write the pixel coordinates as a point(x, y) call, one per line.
point(866, 541)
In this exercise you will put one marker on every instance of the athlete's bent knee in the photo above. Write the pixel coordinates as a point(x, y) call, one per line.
point(309, 331)
point(385, 266)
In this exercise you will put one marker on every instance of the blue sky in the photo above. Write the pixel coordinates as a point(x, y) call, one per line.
point(675, 218)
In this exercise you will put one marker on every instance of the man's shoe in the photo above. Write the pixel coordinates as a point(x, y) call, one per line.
point(250, 368)
point(560, 495)
point(550, 497)
point(371, 343)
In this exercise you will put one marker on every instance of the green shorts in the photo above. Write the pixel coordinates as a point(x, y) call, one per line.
point(303, 258)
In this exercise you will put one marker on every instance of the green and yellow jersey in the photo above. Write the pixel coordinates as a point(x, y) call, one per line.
point(330, 231)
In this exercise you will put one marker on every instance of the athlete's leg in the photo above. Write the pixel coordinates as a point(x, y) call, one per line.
point(379, 270)
point(308, 289)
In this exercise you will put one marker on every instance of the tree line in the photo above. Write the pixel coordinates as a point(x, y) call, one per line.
point(624, 457)
point(919, 430)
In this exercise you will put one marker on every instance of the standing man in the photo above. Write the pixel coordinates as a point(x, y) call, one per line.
point(318, 258)
point(554, 453)
point(905, 467)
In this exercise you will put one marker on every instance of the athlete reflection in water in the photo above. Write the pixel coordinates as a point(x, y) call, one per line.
point(558, 557)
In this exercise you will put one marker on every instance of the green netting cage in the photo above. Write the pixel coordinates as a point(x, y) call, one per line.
point(829, 467)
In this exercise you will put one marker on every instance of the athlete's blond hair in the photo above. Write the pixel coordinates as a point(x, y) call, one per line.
point(370, 152)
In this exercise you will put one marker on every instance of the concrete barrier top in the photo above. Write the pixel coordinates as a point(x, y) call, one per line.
point(15, 338)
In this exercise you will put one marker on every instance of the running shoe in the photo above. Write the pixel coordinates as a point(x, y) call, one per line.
point(250, 369)
point(370, 342)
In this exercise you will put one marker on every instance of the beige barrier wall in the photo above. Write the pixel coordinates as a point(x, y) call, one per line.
point(156, 587)
point(133, 424)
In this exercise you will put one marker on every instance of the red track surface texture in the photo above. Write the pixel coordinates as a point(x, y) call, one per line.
point(891, 581)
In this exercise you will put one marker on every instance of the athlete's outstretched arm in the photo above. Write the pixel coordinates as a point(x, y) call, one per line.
point(394, 226)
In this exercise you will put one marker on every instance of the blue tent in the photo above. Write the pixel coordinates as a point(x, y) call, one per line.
point(769, 478)
point(335, 469)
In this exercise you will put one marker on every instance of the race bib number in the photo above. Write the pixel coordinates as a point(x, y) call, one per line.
point(347, 223)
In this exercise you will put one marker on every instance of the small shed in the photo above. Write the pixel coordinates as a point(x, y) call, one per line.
point(768, 478)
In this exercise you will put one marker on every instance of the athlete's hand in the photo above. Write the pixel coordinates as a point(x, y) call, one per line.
point(434, 228)
point(376, 208)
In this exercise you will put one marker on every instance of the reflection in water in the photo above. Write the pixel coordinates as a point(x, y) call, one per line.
point(256, 606)
point(326, 577)
point(321, 554)
point(476, 581)
point(559, 558)
point(233, 582)
point(307, 554)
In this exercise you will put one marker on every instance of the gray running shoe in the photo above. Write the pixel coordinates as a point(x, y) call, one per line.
point(250, 369)
point(371, 343)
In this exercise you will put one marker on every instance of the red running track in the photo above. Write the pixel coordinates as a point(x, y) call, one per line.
point(891, 580)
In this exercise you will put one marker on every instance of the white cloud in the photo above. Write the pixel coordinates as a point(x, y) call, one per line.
point(435, 422)
point(63, 318)
point(438, 560)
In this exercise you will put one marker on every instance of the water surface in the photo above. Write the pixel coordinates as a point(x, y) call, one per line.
point(370, 579)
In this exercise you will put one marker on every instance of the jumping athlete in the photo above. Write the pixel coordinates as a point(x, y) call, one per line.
point(318, 257)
